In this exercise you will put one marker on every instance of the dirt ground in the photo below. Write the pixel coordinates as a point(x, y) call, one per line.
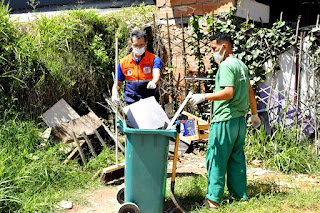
point(104, 200)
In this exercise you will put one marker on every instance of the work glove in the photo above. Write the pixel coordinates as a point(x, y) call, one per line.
point(151, 85)
point(197, 98)
point(115, 95)
point(255, 120)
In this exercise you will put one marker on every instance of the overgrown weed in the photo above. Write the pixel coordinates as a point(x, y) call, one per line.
point(35, 181)
point(280, 150)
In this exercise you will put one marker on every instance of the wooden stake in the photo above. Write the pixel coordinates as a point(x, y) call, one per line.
point(169, 41)
point(261, 22)
point(318, 17)
point(184, 58)
point(281, 15)
point(155, 34)
point(293, 58)
point(89, 144)
point(100, 138)
point(248, 17)
point(84, 160)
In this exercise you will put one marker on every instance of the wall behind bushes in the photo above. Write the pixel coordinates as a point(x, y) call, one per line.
point(69, 56)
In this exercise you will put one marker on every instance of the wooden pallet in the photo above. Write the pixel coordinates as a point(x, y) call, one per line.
point(201, 129)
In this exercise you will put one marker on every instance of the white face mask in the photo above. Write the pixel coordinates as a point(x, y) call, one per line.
point(217, 57)
point(138, 51)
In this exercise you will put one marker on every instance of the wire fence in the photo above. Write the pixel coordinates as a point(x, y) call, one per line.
point(290, 97)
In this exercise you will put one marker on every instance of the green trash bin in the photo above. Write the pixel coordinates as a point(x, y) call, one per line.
point(146, 167)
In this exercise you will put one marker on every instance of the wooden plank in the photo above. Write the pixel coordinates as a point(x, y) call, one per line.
point(106, 128)
point(190, 116)
point(203, 136)
point(188, 139)
point(84, 160)
point(113, 168)
point(81, 142)
point(100, 138)
point(89, 144)
point(204, 127)
point(59, 113)
point(87, 123)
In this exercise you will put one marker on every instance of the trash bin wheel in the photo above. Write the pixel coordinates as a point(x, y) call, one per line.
point(129, 208)
point(120, 196)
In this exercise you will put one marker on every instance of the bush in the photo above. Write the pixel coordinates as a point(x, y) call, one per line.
point(280, 151)
point(69, 56)
point(35, 181)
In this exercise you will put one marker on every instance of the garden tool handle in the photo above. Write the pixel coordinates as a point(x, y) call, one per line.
point(175, 156)
point(179, 110)
point(116, 114)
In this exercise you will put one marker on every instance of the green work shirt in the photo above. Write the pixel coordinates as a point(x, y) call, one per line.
point(233, 73)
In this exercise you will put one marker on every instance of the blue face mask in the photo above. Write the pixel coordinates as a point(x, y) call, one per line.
point(217, 57)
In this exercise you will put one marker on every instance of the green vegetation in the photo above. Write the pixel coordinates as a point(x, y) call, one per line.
point(69, 56)
point(35, 180)
point(72, 56)
point(263, 196)
point(279, 151)
point(253, 45)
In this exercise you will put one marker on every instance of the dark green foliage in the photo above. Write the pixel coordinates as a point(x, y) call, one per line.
point(69, 56)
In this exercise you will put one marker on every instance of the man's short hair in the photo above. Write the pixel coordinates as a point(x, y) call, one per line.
point(221, 37)
point(139, 34)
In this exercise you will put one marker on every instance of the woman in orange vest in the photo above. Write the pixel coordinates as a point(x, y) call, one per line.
point(140, 70)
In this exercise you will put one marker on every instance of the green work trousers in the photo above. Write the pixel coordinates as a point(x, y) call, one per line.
point(225, 155)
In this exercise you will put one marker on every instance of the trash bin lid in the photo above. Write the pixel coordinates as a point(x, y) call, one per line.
point(127, 130)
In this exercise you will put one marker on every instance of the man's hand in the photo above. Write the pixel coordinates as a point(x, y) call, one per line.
point(197, 98)
point(115, 95)
point(256, 122)
point(151, 85)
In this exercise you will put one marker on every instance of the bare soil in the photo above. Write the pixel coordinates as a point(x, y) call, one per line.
point(104, 200)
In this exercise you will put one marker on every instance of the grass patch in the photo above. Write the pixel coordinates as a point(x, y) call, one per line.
point(35, 181)
point(264, 196)
point(280, 151)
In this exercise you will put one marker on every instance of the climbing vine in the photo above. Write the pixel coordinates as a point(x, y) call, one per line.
point(255, 46)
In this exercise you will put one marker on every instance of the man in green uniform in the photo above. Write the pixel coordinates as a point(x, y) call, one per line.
point(233, 94)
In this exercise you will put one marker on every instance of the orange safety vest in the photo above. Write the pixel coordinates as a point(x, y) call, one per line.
point(137, 73)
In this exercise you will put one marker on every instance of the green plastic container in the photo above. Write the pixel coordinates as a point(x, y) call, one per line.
point(146, 167)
